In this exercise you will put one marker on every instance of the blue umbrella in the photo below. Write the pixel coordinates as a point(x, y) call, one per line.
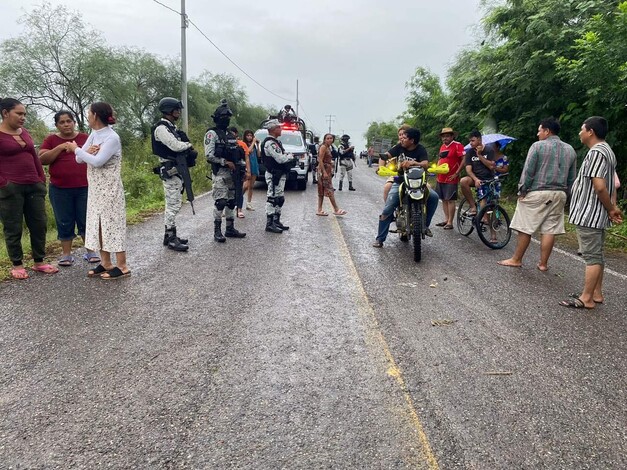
point(501, 139)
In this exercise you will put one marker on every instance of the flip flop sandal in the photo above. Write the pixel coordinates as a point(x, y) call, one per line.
point(240, 215)
point(448, 227)
point(115, 273)
point(91, 257)
point(323, 214)
point(97, 271)
point(45, 269)
point(19, 273)
point(576, 295)
point(440, 224)
point(67, 260)
point(574, 303)
point(340, 212)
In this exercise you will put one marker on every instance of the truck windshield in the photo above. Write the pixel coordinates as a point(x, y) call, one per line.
point(295, 140)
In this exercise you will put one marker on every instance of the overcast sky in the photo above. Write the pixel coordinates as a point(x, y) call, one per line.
point(351, 57)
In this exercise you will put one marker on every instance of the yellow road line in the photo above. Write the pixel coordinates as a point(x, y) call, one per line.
point(393, 369)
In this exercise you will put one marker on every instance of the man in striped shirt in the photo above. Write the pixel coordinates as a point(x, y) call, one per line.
point(546, 180)
point(592, 209)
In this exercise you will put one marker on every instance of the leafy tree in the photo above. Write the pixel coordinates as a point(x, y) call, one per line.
point(53, 64)
point(381, 130)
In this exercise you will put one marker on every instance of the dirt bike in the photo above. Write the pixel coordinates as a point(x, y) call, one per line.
point(411, 213)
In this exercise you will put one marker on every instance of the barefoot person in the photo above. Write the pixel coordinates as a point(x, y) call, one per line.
point(592, 210)
point(325, 177)
point(545, 183)
point(22, 190)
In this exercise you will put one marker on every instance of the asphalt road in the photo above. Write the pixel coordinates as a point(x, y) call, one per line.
point(311, 349)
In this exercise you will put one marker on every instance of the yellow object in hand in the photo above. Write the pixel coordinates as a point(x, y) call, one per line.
point(441, 169)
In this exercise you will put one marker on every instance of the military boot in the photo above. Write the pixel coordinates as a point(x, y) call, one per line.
point(340, 188)
point(350, 186)
point(277, 222)
point(217, 231)
point(166, 237)
point(271, 226)
point(232, 232)
point(172, 242)
point(182, 240)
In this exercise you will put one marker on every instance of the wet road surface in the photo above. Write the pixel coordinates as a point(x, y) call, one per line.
point(311, 349)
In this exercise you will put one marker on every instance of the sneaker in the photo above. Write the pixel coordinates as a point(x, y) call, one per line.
point(428, 232)
point(377, 244)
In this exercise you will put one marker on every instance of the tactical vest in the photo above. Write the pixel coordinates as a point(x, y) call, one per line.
point(350, 154)
point(270, 163)
point(159, 148)
point(227, 147)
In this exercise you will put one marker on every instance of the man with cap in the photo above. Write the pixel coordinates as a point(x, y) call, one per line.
point(278, 165)
point(347, 159)
point(225, 157)
point(168, 141)
point(451, 153)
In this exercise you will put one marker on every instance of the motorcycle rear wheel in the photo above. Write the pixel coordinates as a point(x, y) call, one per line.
point(416, 215)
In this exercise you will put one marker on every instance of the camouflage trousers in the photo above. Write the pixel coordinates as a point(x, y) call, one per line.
point(275, 195)
point(346, 170)
point(224, 188)
point(173, 189)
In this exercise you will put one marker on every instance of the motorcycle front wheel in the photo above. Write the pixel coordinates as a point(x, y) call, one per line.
point(416, 224)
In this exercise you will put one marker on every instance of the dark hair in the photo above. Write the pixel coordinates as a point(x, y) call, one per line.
point(7, 104)
point(551, 124)
point(325, 136)
point(103, 111)
point(247, 132)
point(475, 133)
point(413, 134)
point(63, 112)
point(598, 125)
point(234, 130)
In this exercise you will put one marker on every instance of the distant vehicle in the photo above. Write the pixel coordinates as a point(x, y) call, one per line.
point(293, 140)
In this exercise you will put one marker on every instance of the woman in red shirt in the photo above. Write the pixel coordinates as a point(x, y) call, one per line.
point(68, 185)
point(22, 190)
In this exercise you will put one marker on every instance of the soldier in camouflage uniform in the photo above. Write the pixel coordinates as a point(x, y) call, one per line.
point(278, 165)
point(226, 158)
point(166, 144)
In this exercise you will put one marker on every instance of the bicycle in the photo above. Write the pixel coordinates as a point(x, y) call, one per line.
point(492, 218)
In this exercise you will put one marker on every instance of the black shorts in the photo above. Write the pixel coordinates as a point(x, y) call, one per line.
point(447, 191)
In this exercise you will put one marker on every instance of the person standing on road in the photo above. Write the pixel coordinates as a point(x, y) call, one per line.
point(253, 158)
point(545, 182)
point(22, 190)
point(451, 153)
point(226, 157)
point(167, 142)
point(370, 156)
point(479, 167)
point(106, 206)
point(592, 210)
point(240, 183)
point(68, 185)
point(411, 153)
point(347, 161)
point(278, 165)
point(325, 178)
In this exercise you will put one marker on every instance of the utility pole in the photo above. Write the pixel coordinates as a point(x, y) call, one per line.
point(184, 65)
point(296, 97)
point(330, 119)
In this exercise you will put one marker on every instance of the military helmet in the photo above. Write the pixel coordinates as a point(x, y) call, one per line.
point(222, 111)
point(169, 104)
point(271, 124)
point(345, 137)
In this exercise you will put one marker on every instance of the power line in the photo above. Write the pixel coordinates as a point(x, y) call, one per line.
point(309, 119)
point(225, 55)
point(169, 8)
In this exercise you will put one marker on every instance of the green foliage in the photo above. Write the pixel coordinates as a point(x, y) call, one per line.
point(381, 130)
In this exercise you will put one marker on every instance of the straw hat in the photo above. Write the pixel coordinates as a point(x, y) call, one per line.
point(449, 130)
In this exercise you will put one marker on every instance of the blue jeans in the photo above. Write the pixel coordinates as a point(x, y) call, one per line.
point(70, 211)
point(393, 202)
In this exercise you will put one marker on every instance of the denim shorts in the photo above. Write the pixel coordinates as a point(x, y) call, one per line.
point(70, 211)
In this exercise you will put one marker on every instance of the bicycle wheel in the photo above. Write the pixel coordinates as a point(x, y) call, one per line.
point(416, 222)
point(465, 222)
point(494, 230)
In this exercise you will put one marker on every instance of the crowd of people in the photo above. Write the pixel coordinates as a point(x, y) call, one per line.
point(87, 195)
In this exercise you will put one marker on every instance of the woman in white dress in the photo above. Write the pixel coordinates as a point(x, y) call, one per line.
point(106, 207)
